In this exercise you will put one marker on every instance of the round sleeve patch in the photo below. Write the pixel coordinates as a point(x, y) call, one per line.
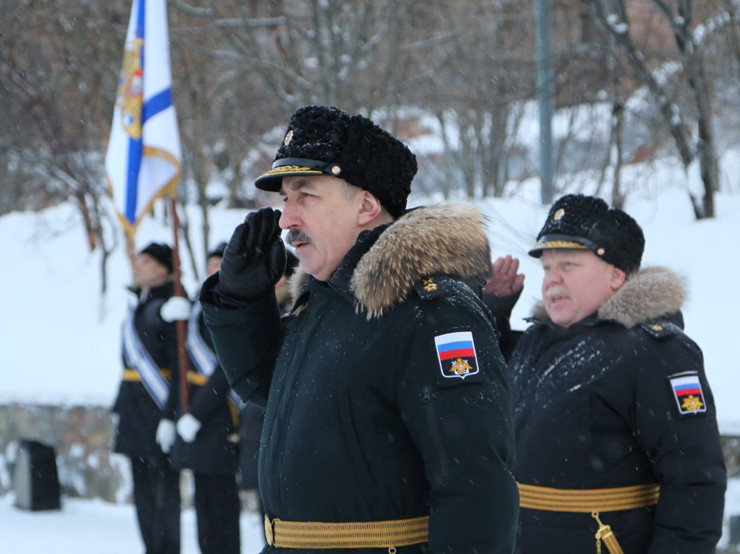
point(687, 391)
point(456, 354)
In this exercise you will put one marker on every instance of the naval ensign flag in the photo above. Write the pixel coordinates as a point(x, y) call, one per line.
point(143, 158)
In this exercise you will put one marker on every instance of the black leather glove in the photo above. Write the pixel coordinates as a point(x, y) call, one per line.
point(254, 259)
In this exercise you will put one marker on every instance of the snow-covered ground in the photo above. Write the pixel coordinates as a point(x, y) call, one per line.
point(59, 339)
point(96, 527)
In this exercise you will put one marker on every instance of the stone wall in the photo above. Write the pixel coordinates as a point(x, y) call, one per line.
point(82, 437)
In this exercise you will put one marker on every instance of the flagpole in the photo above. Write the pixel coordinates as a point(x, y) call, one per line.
point(143, 162)
point(182, 361)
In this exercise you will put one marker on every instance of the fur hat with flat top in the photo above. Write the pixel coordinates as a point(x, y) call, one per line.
point(580, 222)
point(160, 252)
point(324, 140)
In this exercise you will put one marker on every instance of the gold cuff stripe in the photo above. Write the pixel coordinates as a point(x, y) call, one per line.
point(363, 534)
point(587, 500)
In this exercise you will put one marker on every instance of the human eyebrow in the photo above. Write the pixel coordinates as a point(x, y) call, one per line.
point(298, 184)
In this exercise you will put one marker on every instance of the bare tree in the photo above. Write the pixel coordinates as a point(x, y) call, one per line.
point(614, 18)
point(57, 83)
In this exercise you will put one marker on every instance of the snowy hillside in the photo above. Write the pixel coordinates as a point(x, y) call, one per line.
point(60, 339)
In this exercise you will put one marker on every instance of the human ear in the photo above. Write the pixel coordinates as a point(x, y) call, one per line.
point(618, 277)
point(369, 208)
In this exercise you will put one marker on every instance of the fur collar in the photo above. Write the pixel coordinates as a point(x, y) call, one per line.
point(448, 239)
point(650, 293)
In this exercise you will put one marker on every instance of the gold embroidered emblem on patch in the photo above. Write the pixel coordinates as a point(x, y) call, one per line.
point(558, 215)
point(687, 391)
point(429, 284)
point(692, 404)
point(288, 138)
point(130, 94)
point(460, 367)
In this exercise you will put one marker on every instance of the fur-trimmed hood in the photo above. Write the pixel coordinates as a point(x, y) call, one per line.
point(444, 239)
point(648, 294)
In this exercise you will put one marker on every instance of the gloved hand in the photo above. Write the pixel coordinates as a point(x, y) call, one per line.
point(175, 308)
point(165, 436)
point(254, 259)
point(187, 427)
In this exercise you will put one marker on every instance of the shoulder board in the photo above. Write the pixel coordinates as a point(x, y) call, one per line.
point(432, 287)
point(660, 329)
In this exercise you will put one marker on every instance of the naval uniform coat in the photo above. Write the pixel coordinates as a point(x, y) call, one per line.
point(599, 404)
point(363, 422)
point(215, 449)
point(138, 414)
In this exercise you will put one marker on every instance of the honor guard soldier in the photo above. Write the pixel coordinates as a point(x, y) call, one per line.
point(208, 436)
point(617, 446)
point(388, 415)
point(147, 399)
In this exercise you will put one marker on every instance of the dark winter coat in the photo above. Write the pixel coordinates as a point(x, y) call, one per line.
point(252, 418)
point(362, 424)
point(216, 446)
point(595, 408)
point(138, 414)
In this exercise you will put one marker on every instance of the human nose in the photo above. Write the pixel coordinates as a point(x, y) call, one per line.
point(552, 275)
point(288, 217)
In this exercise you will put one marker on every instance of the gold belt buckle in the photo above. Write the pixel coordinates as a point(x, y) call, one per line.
point(269, 533)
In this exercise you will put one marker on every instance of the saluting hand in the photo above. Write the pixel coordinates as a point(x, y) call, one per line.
point(254, 259)
point(505, 280)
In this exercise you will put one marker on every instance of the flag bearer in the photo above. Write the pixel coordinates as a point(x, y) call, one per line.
point(147, 399)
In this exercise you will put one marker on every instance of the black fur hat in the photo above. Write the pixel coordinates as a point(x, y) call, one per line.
point(217, 250)
point(160, 252)
point(579, 222)
point(326, 140)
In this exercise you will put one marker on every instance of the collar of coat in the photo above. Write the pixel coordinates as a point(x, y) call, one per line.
point(651, 293)
point(385, 263)
point(165, 290)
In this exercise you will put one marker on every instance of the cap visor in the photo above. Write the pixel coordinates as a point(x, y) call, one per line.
point(272, 180)
point(556, 244)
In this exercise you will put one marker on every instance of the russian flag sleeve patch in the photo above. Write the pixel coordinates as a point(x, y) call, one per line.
point(688, 393)
point(456, 354)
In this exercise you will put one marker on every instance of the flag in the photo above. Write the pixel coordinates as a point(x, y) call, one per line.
point(143, 159)
point(456, 354)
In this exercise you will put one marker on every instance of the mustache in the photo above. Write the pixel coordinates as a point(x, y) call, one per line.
point(555, 291)
point(294, 235)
